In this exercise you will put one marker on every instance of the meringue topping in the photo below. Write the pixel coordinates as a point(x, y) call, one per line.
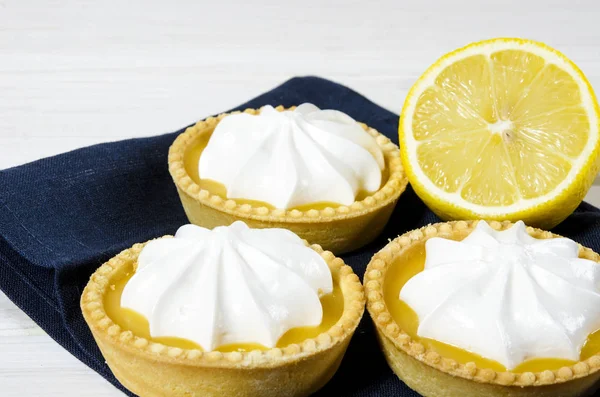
point(506, 296)
point(229, 285)
point(293, 158)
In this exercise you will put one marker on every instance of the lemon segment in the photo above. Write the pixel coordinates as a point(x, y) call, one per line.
point(443, 159)
point(462, 82)
point(559, 131)
point(437, 114)
point(501, 129)
point(491, 181)
point(513, 70)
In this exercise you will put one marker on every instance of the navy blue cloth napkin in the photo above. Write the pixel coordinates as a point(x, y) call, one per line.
point(62, 217)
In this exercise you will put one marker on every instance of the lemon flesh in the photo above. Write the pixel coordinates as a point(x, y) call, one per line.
point(502, 129)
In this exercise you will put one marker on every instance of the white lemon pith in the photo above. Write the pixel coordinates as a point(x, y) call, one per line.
point(501, 129)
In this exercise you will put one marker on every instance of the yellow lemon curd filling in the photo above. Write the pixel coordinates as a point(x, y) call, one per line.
point(127, 319)
point(192, 158)
point(411, 263)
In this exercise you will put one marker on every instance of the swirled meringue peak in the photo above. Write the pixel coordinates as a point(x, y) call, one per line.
point(507, 296)
point(293, 158)
point(228, 285)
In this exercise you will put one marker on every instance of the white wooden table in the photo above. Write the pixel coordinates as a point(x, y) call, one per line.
point(74, 73)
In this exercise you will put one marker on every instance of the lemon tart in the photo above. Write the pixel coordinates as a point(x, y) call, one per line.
point(329, 179)
point(228, 311)
point(469, 308)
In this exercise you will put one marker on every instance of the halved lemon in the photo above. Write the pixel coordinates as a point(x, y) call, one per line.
point(501, 129)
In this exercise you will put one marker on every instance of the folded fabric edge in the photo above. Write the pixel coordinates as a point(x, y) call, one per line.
point(46, 315)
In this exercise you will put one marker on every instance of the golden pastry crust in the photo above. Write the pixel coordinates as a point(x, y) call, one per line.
point(153, 369)
point(433, 375)
point(347, 227)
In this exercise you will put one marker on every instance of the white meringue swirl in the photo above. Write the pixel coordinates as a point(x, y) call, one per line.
point(228, 285)
point(293, 158)
point(507, 296)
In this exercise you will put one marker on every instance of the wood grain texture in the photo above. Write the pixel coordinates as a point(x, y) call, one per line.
point(74, 73)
